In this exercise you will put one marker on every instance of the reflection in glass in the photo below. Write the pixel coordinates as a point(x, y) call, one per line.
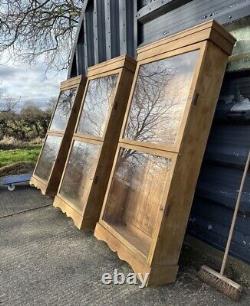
point(63, 109)
point(48, 157)
point(159, 99)
point(98, 103)
point(79, 172)
point(135, 191)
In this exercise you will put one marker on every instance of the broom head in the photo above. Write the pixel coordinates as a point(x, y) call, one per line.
point(220, 282)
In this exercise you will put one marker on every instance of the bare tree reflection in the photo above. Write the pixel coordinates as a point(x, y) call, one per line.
point(157, 107)
point(48, 157)
point(158, 103)
point(63, 109)
point(159, 99)
point(132, 162)
point(79, 169)
point(97, 105)
point(138, 181)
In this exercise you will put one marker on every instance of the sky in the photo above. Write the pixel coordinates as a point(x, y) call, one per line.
point(29, 83)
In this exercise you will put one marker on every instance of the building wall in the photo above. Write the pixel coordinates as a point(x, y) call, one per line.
point(222, 169)
point(110, 28)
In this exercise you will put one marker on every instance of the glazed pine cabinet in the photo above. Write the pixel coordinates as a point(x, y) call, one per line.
point(94, 143)
point(163, 138)
point(52, 158)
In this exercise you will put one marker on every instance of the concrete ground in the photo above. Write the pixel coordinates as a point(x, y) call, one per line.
point(45, 260)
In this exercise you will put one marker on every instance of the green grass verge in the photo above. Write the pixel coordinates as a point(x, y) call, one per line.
point(27, 154)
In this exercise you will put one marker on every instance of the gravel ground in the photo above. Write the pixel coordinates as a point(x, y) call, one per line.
point(45, 260)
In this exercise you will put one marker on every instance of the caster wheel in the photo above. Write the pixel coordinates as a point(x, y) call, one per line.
point(11, 187)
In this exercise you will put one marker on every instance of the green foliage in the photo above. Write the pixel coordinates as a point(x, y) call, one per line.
point(30, 123)
point(26, 154)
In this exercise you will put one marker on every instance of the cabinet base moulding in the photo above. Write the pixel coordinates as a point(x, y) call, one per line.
point(157, 274)
point(70, 212)
point(38, 185)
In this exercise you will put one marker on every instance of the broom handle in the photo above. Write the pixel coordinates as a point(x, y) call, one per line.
point(235, 215)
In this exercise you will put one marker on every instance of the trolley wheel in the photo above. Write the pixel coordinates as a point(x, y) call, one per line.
point(11, 187)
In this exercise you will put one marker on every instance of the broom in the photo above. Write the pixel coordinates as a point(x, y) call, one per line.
point(219, 280)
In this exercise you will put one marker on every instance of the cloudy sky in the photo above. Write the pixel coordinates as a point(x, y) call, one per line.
point(29, 83)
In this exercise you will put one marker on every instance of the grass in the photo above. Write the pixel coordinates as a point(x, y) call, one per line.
point(26, 154)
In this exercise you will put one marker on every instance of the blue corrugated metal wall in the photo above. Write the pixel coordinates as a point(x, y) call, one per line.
point(109, 28)
point(222, 169)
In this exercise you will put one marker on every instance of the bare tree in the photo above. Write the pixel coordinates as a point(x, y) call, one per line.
point(51, 104)
point(7, 104)
point(34, 28)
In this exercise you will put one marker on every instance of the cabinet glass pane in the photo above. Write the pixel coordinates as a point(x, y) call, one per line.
point(48, 157)
point(63, 110)
point(159, 99)
point(98, 102)
point(79, 172)
point(137, 184)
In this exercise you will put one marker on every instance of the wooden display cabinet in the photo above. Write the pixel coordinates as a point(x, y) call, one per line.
point(95, 140)
point(166, 126)
point(53, 155)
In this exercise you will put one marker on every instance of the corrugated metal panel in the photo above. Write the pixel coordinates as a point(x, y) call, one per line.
point(156, 8)
point(110, 28)
point(89, 46)
point(74, 68)
point(114, 24)
point(114, 27)
point(221, 172)
point(190, 14)
point(80, 59)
